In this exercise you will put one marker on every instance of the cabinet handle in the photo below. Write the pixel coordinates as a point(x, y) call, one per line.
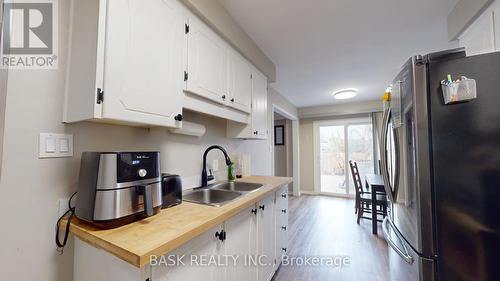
point(254, 211)
point(232, 100)
point(178, 117)
point(283, 195)
point(283, 227)
point(221, 235)
point(262, 207)
point(224, 97)
point(283, 211)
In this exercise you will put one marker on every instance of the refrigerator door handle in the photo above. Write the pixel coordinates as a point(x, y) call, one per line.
point(402, 253)
point(383, 155)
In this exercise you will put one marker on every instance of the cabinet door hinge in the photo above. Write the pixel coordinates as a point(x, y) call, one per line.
point(186, 76)
point(186, 28)
point(100, 95)
point(251, 76)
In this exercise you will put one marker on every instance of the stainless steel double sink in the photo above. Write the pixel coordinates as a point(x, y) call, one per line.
point(220, 193)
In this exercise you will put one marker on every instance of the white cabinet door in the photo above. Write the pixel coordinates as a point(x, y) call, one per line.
point(259, 106)
point(241, 243)
point(281, 214)
point(143, 68)
point(207, 62)
point(258, 127)
point(266, 238)
point(479, 38)
point(193, 269)
point(496, 18)
point(239, 82)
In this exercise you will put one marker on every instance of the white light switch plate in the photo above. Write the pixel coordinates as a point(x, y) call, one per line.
point(55, 145)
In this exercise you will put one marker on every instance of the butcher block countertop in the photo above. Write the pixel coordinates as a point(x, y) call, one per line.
point(172, 227)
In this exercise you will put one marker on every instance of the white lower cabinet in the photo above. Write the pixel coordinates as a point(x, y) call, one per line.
point(246, 247)
point(266, 238)
point(281, 215)
point(241, 244)
point(193, 268)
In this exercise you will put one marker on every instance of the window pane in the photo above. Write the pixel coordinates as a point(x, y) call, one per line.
point(332, 159)
point(360, 145)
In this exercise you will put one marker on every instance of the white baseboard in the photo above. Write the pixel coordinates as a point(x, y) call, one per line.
point(308, 192)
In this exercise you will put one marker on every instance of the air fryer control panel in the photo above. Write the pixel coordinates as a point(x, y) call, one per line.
point(135, 166)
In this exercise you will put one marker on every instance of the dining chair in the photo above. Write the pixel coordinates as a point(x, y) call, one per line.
point(363, 202)
point(358, 185)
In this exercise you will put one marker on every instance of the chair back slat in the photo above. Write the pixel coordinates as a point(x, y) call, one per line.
point(358, 185)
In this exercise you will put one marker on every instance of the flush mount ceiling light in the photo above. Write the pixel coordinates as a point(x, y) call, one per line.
point(345, 94)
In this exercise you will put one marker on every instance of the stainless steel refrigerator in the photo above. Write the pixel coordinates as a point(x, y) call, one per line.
point(441, 167)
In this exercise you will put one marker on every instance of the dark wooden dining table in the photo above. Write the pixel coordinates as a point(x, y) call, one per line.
point(375, 184)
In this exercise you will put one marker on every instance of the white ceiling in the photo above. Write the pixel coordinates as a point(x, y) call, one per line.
point(320, 46)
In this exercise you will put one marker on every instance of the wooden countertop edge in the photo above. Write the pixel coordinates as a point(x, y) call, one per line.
point(142, 259)
point(104, 245)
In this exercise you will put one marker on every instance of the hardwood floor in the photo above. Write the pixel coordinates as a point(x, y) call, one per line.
point(326, 226)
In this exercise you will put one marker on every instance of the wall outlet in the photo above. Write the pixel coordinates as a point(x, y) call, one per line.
point(55, 145)
point(215, 165)
point(63, 206)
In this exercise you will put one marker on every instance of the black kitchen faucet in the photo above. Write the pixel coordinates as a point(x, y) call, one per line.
point(204, 176)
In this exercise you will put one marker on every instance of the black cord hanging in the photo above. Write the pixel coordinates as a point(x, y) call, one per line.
point(71, 212)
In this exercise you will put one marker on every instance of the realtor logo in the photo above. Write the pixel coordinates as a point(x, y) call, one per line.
point(29, 35)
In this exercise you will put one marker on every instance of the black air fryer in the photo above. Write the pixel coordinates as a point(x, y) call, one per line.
point(171, 190)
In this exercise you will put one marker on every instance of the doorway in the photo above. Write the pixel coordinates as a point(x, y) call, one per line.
point(335, 143)
point(283, 143)
point(285, 146)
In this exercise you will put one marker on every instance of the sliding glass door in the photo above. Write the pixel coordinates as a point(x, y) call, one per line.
point(332, 159)
point(337, 142)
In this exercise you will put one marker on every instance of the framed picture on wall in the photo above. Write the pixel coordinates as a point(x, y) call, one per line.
point(279, 135)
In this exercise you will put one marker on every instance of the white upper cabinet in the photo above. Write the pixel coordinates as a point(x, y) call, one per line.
point(143, 75)
point(126, 63)
point(479, 38)
point(207, 62)
point(496, 18)
point(259, 106)
point(239, 82)
point(257, 128)
point(141, 62)
point(483, 35)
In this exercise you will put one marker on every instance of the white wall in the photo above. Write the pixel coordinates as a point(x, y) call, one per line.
point(275, 98)
point(31, 187)
point(3, 91)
